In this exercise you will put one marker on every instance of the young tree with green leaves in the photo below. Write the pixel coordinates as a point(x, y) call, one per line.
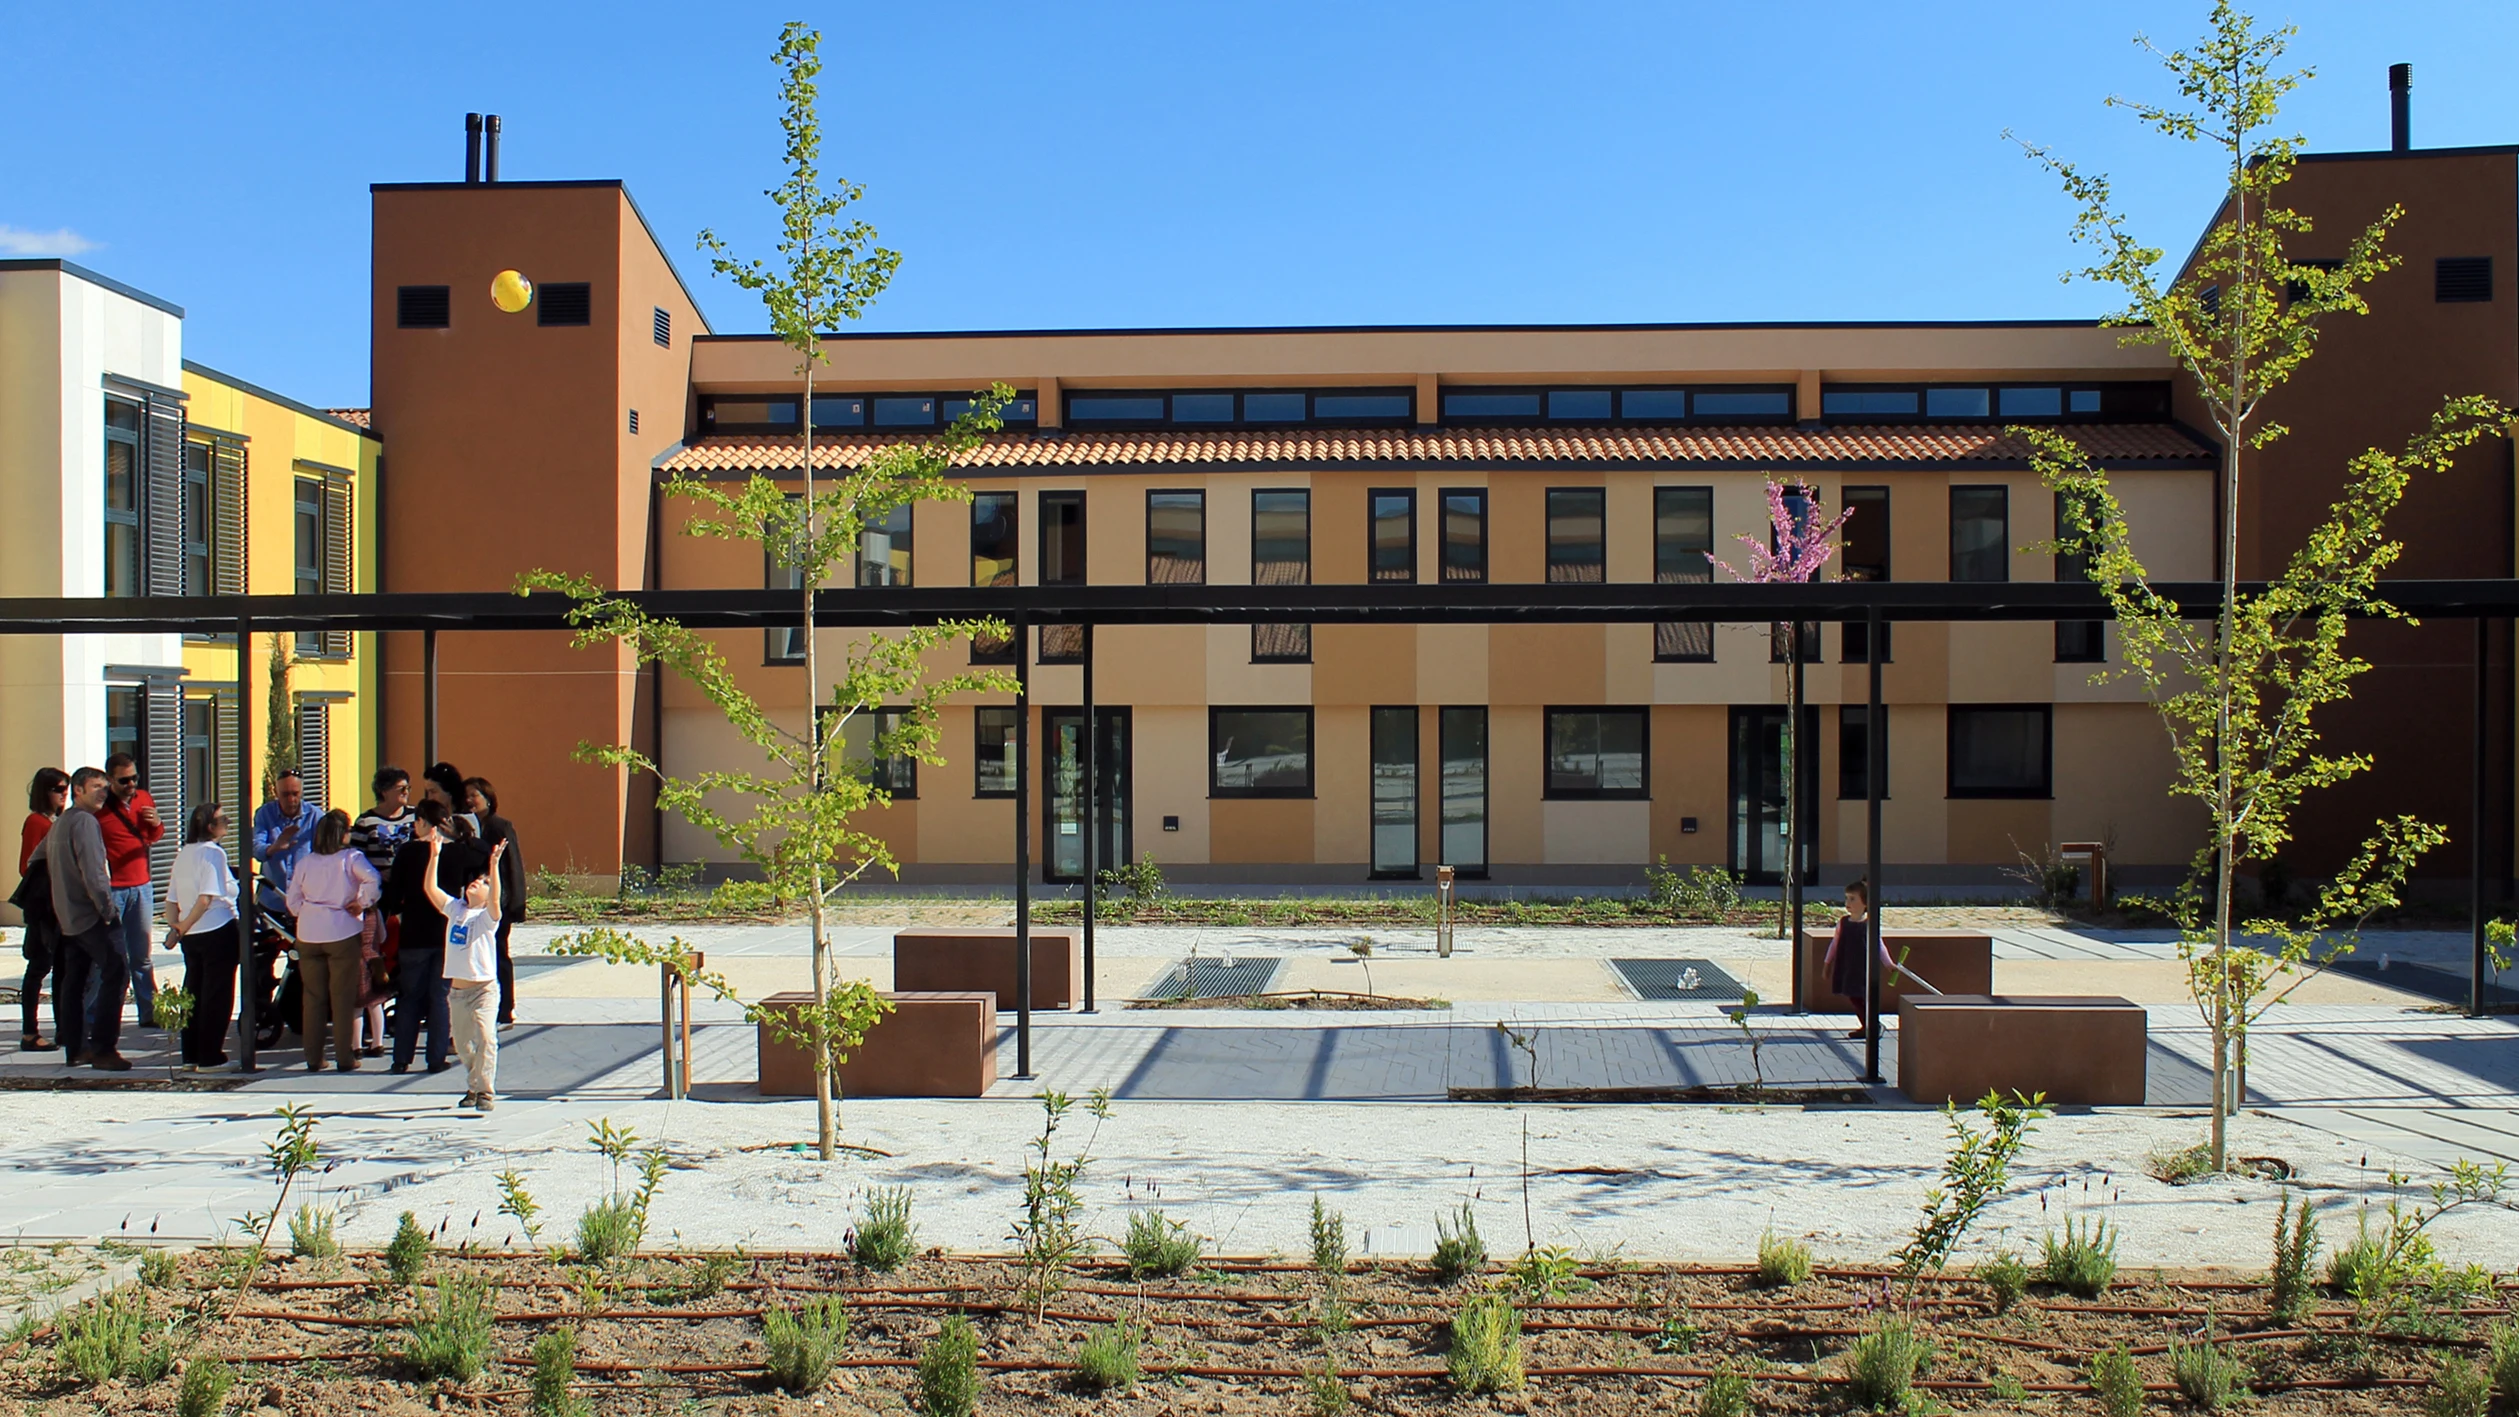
point(2238, 692)
point(795, 817)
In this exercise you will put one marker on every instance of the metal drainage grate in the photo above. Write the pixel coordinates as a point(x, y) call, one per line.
point(1669, 979)
point(1218, 978)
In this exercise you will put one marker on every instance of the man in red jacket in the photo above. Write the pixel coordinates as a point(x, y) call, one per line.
point(130, 825)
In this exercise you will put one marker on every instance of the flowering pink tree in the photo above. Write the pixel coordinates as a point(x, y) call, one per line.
point(1801, 538)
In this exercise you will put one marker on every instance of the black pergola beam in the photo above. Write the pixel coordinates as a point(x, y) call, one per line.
point(1836, 601)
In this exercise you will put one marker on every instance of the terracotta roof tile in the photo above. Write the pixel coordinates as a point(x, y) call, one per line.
point(358, 416)
point(1913, 444)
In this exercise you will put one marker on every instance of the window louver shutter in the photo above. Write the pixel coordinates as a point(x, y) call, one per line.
point(337, 555)
point(162, 499)
point(227, 501)
point(231, 743)
point(566, 303)
point(314, 750)
point(162, 769)
point(2462, 279)
point(664, 327)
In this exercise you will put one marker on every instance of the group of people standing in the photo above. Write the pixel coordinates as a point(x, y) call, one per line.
point(411, 902)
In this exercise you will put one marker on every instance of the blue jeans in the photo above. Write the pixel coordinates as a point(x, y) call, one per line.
point(133, 934)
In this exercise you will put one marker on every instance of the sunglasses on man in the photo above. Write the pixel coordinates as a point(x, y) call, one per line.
point(126, 781)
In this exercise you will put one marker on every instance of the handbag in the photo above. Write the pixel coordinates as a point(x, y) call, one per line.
point(33, 896)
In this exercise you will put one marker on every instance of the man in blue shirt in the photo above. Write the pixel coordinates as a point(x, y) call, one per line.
point(284, 831)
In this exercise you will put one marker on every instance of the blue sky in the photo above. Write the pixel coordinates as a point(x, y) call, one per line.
point(1182, 164)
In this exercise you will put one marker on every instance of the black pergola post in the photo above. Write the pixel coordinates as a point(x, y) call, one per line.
point(1875, 786)
point(1091, 733)
point(1796, 762)
point(2476, 1000)
point(248, 918)
point(428, 697)
point(1023, 846)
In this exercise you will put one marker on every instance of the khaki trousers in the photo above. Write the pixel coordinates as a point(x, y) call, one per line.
point(474, 1009)
point(330, 979)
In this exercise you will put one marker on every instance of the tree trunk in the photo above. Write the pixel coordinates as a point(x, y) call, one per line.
point(826, 1118)
point(2224, 809)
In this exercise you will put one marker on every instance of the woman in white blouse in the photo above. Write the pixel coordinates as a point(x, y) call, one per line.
point(328, 893)
point(202, 911)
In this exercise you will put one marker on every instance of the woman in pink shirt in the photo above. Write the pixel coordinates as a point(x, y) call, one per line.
point(328, 893)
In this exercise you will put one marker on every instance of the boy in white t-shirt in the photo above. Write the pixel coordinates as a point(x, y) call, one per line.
point(472, 971)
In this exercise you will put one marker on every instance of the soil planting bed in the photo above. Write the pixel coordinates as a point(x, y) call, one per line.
point(1314, 1000)
point(1233, 1338)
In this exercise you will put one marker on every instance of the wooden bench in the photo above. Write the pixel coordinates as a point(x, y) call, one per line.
point(930, 1045)
point(966, 961)
point(2080, 1050)
point(1956, 961)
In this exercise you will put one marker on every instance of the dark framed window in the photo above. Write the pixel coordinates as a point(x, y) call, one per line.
point(1464, 535)
point(1281, 554)
point(1597, 753)
point(126, 723)
point(869, 740)
point(1980, 534)
point(2002, 750)
point(1062, 564)
point(568, 302)
point(905, 410)
point(1863, 555)
point(1854, 750)
point(2076, 641)
point(1578, 537)
point(883, 549)
point(1462, 749)
point(993, 752)
point(776, 413)
point(123, 495)
point(307, 524)
point(1393, 793)
point(1155, 408)
point(1259, 752)
point(1391, 536)
point(423, 307)
point(200, 521)
point(995, 561)
point(1176, 538)
point(782, 644)
point(1732, 403)
point(1683, 554)
point(1966, 403)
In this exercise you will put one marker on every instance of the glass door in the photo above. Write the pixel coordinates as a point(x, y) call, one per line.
point(1464, 748)
point(1395, 792)
point(1063, 801)
point(1758, 793)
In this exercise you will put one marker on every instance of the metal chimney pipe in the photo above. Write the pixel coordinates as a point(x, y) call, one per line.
point(2400, 108)
point(490, 150)
point(472, 147)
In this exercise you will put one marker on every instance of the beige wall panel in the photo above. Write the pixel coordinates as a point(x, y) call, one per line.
point(1232, 679)
point(1151, 664)
point(2005, 662)
point(1919, 666)
point(2172, 517)
point(1919, 525)
point(954, 826)
point(1229, 526)
point(897, 828)
point(1689, 780)
point(1915, 821)
point(691, 740)
point(1452, 665)
point(1994, 831)
point(1596, 833)
point(1269, 830)
point(1629, 542)
point(1342, 781)
point(1515, 831)
point(1517, 529)
point(1168, 773)
point(1364, 664)
point(1061, 685)
point(1338, 524)
point(2112, 776)
point(1739, 674)
point(1547, 664)
point(1627, 664)
point(1115, 529)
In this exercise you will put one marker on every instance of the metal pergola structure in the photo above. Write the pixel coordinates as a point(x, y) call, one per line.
point(1871, 603)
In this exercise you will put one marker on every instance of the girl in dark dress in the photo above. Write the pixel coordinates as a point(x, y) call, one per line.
point(1845, 955)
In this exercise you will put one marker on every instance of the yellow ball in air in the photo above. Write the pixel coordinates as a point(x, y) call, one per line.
point(510, 291)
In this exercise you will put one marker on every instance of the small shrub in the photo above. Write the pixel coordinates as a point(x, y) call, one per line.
point(1486, 1353)
point(1107, 1360)
point(203, 1392)
point(1458, 1251)
point(1546, 1273)
point(1882, 1365)
point(949, 1370)
point(1159, 1246)
point(451, 1336)
point(2118, 1382)
point(157, 1268)
point(709, 1280)
point(2178, 1168)
point(2206, 1374)
point(310, 1233)
point(110, 1338)
point(1707, 893)
point(1726, 1394)
point(2359, 1270)
point(1782, 1263)
point(1327, 1392)
point(1678, 1334)
point(555, 1367)
point(885, 1239)
point(609, 1229)
point(2003, 1387)
point(2502, 1348)
point(2295, 1261)
point(804, 1343)
point(2082, 1261)
point(2458, 1389)
point(1329, 1240)
point(2006, 1278)
point(408, 1253)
